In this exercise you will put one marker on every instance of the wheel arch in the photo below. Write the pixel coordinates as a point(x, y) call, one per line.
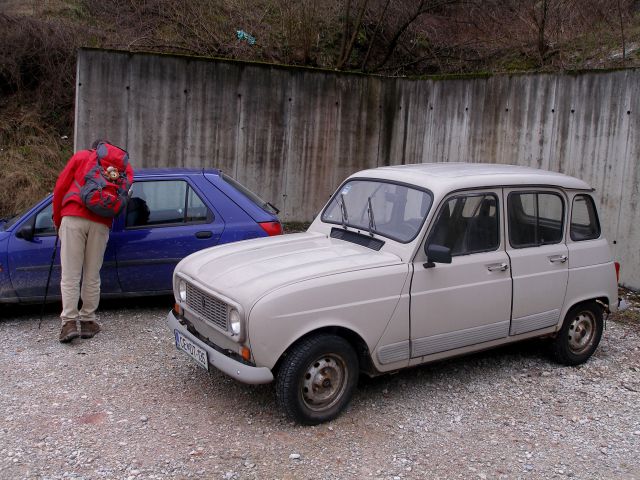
point(353, 338)
point(601, 299)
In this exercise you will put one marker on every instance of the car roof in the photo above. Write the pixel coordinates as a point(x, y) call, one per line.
point(446, 177)
point(151, 172)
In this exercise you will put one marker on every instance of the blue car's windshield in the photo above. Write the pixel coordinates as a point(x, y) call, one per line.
point(388, 209)
point(9, 220)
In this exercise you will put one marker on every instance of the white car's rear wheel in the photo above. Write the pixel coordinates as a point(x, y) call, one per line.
point(580, 334)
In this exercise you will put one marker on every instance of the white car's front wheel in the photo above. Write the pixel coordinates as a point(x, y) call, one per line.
point(316, 379)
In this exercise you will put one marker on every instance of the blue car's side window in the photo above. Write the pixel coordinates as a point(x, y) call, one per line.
point(163, 203)
point(197, 211)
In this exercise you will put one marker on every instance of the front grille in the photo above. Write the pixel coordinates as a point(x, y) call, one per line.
point(208, 307)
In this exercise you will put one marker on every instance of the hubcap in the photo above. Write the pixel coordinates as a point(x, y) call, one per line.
point(582, 332)
point(324, 382)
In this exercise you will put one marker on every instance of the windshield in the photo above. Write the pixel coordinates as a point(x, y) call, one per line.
point(13, 218)
point(388, 209)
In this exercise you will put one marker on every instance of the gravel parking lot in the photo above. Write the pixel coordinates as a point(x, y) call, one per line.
point(126, 404)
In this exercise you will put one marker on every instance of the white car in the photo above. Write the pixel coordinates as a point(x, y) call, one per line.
point(404, 265)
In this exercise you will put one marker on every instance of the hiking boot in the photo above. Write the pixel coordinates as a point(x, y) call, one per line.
point(88, 329)
point(69, 331)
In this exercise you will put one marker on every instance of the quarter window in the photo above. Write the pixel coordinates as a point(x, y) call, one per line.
point(535, 219)
point(468, 224)
point(196, 209)
point(584, 219)
point(169, 202)
point(44, 222)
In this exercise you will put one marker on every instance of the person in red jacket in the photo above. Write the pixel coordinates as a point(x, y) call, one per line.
point(83, 236)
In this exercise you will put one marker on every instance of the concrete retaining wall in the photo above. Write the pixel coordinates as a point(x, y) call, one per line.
point(293, 134)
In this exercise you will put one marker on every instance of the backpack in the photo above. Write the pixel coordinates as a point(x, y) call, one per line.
point(106, 190)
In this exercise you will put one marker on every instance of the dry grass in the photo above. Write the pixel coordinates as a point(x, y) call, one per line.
point(295, 227)
point(30, 158)
point(631, 315)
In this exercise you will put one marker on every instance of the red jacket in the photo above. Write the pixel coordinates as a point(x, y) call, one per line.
point(75, 170)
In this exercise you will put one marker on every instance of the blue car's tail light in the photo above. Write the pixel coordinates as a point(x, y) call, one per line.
point(272, 228)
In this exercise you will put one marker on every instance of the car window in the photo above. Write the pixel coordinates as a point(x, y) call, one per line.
point(397, 211)
point(468, 224)
point(164, 202)
point(535, 218)
point(44, 222)
point(584, 219)
point(196, 209)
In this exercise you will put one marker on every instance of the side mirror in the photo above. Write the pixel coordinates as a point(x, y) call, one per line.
point(26, 232)
point(437, 254)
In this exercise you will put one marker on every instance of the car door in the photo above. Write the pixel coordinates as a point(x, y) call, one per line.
point(30, 259)
point(467, 301)
point(539, 257)
point(166, 220)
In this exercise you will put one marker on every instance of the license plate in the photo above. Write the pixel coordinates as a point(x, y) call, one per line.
point(191, 349)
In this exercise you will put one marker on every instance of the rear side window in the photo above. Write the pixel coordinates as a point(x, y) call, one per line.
point(535, 218)
point(165, 202)
point(468, 224)
point(584, 219)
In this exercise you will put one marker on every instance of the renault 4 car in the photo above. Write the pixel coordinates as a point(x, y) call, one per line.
point(405, 265)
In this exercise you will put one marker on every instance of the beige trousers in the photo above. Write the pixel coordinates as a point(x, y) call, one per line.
point(82, 246)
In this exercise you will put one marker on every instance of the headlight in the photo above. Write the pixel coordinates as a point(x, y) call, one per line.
point(235, 321)
point(182, 290)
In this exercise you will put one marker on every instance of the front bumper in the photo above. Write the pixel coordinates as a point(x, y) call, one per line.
point(239, 371)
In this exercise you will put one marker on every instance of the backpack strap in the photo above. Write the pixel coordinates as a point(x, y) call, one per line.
point(101, 151)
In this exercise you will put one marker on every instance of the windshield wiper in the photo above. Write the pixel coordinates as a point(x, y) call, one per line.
point(343, 212)
point(372, 222)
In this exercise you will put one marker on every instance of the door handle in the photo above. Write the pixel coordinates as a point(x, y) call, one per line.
point(558, 258)
point(204, 234)
point(497, 267)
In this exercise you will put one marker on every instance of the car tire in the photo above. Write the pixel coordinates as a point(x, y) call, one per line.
point(317, 378)
point(580, 334)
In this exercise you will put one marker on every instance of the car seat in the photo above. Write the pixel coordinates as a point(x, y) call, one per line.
point(482, 229)
point(137, 212)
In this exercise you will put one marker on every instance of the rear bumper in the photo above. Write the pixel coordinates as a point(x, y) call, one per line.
point(233, 368)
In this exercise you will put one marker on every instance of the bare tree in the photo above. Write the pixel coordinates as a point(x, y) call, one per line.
point(347, 46)
point(414, 13)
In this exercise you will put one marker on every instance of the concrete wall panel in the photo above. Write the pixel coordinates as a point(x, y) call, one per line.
point(212, 115)
point(157, 117)
point(102, 99)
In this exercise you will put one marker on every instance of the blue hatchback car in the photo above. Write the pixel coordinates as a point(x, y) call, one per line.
point(171, 213)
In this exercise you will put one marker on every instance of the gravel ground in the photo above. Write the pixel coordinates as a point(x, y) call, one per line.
point(127, 405)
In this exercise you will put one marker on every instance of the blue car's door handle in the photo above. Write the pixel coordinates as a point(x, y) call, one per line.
point(204, 234)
